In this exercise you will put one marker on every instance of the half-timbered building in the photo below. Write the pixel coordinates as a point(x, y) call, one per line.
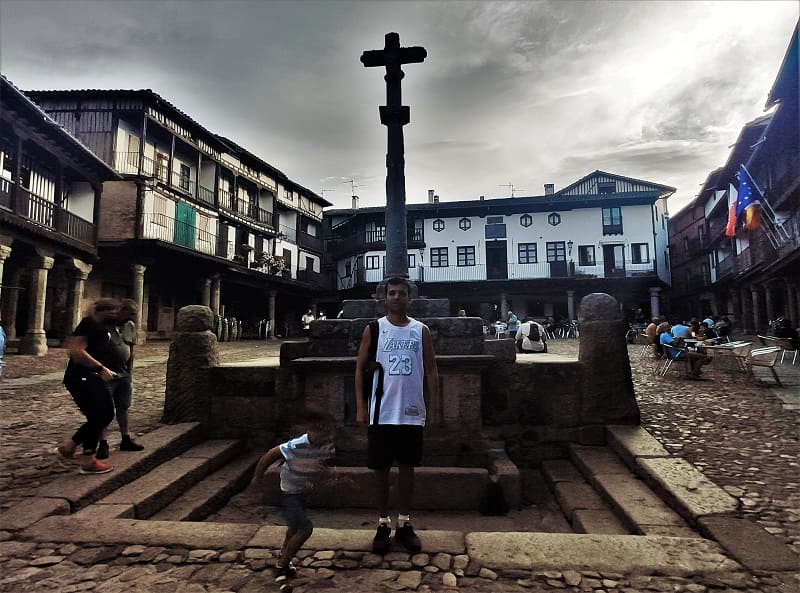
point(196, 218)
point(50, 191)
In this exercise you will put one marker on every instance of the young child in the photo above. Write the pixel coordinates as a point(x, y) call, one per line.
point(302, 462)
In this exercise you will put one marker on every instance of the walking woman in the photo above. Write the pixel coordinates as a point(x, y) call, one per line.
point(95, 358)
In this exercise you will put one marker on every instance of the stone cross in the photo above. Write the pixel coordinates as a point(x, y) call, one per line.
point(394, 116)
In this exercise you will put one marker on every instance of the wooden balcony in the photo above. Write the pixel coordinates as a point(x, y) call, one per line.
point(45, 214)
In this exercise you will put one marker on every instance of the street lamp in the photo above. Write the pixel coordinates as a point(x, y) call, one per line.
point(569, 247)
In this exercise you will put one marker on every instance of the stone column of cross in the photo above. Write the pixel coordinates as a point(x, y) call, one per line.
point(394, 116)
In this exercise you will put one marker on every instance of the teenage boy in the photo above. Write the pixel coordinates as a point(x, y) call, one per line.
point(393, 404)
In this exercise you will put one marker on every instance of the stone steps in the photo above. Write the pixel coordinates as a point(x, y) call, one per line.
point(583, 507)
point(146, 495)
point(211, 493)
point(638, 507)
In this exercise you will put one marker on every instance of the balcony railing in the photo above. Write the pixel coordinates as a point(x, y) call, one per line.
point(46, 214)
point(259, 214)
point(183, 183)
point(309, 241)
point(205, 195)
point(164, 228)
point(311, 277)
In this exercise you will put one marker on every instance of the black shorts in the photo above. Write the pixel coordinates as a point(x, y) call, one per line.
point(387, 443)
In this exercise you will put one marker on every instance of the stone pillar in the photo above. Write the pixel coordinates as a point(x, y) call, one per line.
point(769, 301)
point(747, 310)
point(193, 349)
point(9, 302)
point(138, 296)
point(571, 304)
point(791, 304)
point(5, 252)
point(607, 395)
point(216, 288)
point(655, 301)
point(503, 306)
point(205, 292)
point(756, 301)
point(35, 340)
point(272, 298)
point(78, 273)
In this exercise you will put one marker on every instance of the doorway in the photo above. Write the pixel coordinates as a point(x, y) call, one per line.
point(496, 260)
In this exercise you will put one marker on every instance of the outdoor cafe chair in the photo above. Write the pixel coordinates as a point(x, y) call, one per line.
point(784, 343)
point(672, 354)
point(765, 357)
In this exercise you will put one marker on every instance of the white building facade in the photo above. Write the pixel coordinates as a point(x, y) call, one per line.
point(534, 255)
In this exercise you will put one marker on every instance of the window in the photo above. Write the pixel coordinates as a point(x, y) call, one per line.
point(607, 187)
point(586, 255)
point(159, 210)
point(554, 219)
point(556, 251)
point(412, 260)
point(526, 220)
point(640, 253)
point(373, 262)
point(466, 255)
point(526, 253)
point(375, 233)
point(465, 224)
point(348, 268)
point(439, 257)
point(162, 168)
point(438, 225)
point(184, 178)
point(612, 221)
point(495, 228)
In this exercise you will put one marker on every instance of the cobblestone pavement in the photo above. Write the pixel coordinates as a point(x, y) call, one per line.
point(741, 433)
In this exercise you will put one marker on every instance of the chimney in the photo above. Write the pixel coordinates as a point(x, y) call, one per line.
point(355, 202)
point(435, 199)
point(482, 198)
point(549, 189)
point(430, 196)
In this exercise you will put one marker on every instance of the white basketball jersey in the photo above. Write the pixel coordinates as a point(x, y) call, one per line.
point(401, 357)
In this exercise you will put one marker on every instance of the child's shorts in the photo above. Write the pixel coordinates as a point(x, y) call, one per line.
point(294, 511)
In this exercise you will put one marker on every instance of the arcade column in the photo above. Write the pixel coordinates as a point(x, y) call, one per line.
point(273, 294)
point(35, 340)
point(655, 301)
point(78, 273)
point(138, 296)
point(571, 304)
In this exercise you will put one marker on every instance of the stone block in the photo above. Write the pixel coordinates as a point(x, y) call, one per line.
point(24, 514)
point(330, 328)
point(597, 460)
point(572, 496)
point(634, 501)
point(364, 308)
point(691, 493)
point(593, 434)
point(422, 307)
point(561, 470)
point(599, 306)
point(597, 521)
point(503, 350)
point(194, 318)
point(292, 350)
point(750, 544)
point(671, 556)
point(631, 442)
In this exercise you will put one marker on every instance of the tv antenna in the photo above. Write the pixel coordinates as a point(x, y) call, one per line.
point(510, 186)
point(353, 186)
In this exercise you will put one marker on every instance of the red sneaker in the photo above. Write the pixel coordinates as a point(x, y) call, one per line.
point(96, 467)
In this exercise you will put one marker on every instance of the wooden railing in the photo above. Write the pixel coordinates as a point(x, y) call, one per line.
point(45, 213)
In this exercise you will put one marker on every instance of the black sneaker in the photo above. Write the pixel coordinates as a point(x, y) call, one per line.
point(128, 444)
point(407, 538)
point(380, 543)
point(102, 450)
point(282, 576)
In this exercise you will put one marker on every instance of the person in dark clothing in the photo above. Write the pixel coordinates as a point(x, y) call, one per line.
point(786, 331)
point(95, 359)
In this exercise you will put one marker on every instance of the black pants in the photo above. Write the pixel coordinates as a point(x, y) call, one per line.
point(94, 400)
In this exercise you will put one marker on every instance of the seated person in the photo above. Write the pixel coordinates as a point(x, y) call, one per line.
point(696, 360)
point(530, 337)
point(723, 327)
point(706, 333)
point(651, 331)
point(681, 330)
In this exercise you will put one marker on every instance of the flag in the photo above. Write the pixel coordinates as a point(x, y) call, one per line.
point(730, 230)
point(749, 200)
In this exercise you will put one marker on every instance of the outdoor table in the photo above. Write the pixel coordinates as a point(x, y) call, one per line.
point(730, 356)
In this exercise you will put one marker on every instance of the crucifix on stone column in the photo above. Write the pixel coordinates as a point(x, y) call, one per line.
point(394, 116)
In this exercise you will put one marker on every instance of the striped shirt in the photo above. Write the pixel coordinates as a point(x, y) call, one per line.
point(302, 463)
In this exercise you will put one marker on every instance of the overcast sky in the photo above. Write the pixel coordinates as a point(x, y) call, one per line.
point(522, 93)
